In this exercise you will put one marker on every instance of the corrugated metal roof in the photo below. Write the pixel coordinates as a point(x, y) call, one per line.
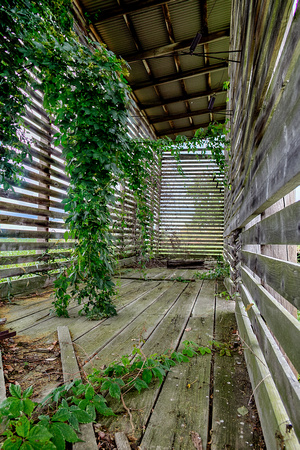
point(150, 27)
point(186, 19)
point(218, 14)
point(119, 42)
point(145, 28)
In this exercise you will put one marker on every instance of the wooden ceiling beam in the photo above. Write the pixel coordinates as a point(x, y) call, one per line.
point(184, 129)
point(175, 47)
point(189, 97)
point(126, 9)
point(168, 22)
point(179, 76)
point(200, 112)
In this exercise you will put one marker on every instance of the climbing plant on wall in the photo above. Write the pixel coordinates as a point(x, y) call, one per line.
point(86, 96)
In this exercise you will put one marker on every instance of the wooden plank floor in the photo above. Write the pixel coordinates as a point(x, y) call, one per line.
point(196, 399)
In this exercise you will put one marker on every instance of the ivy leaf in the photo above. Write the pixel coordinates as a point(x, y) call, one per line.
point(103, 409)
point(89, 392)
point(140, 384)
point(74, 422)
point(28, 392)
point(26, 446)
point(115, 390)
point(90, 409)
point(13, 443)
point(15, 390)
point(62, 415)
point(81, 416)
point(27, 406)
point(158, 373)
point(38, 435)
point(14, 406)
point(57, 438)
point(23, 427)
point(147, 375)
point(67, 432)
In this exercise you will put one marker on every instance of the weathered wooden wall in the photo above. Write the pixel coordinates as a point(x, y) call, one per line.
point(32, 244)
point(261, 218)
point(192, 207)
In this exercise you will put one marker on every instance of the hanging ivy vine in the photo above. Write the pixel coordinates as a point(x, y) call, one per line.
point(86, 96)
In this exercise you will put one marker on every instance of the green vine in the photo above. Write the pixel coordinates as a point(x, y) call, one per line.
point(55, 421)
point(86, 96)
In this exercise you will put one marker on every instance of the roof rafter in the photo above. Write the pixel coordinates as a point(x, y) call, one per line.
point(137, 43)
point(174, 47)
point(168, 101)
point(123, 10)
point(184, 129)
point(168, 22)
point(200, 112)
point(179, 76)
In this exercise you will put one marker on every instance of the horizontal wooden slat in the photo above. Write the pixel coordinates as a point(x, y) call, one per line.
point(272, 179)
point(44, 179)
point(284, 326)
point(21, 234)
point(285, 380)
point(25, 286)
point(272, 413)
point(20, 246)
point(40, 268)
point(25, 221)
point(282, 227)
point(20, 209)
point(39, 189)
point(30, 199)
point(283, 276)
point(16, 259)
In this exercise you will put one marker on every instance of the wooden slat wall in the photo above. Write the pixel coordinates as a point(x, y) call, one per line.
point(192, 207)
point(261, 220)
point(32, 217)
point(32, 244)
point(126, 227)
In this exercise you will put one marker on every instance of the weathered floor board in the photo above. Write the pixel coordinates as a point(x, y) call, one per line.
point(157, 310)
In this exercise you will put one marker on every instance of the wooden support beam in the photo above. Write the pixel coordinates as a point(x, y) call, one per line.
point(137, 43)
point(184, 129)
point(118, 11)
point(184, 115)
point(195, 96)
point(175, 47)
point(177, 62)
point(179, 76)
